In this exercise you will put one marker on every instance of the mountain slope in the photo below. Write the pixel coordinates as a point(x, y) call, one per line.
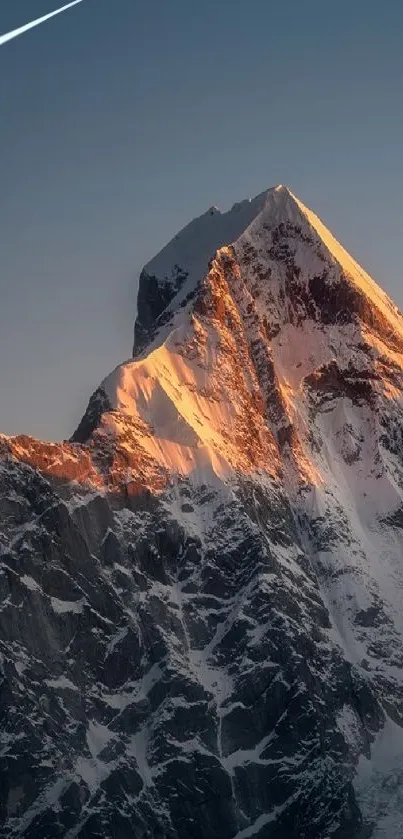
point(213, 565)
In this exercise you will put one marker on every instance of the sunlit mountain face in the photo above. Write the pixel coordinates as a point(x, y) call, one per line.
point(201, 625)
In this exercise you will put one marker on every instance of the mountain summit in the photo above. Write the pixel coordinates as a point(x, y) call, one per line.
point(240, 317)
point(202, 625)
point(172, 276)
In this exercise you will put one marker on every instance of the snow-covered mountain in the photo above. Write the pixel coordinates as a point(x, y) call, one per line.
point(201, 624)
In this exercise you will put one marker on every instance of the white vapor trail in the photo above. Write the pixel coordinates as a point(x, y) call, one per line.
point(20, 31)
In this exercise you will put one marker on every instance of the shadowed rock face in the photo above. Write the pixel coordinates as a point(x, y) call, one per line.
point(156, 685)
point(97, 406)
point(153, 298)
point(200, 616)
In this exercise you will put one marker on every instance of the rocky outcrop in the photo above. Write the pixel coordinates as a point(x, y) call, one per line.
point(153, 299)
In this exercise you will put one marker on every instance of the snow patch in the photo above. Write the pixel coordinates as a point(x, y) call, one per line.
point(30, 583)
point(98, 736)
point(61, 607)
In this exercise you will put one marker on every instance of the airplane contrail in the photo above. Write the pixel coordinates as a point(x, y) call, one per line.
point(21, 29)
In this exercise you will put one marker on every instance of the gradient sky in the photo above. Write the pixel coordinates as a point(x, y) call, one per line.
point(120, 120)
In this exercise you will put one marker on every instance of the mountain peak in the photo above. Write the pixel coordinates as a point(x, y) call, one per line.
point(169, 282)
point(172, 275)
point(258, 304)
point(214, 562)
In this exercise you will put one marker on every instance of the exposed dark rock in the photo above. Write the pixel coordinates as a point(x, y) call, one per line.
point(97, 405)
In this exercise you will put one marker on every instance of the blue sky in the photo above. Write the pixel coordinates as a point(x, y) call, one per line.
point(122, 120)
